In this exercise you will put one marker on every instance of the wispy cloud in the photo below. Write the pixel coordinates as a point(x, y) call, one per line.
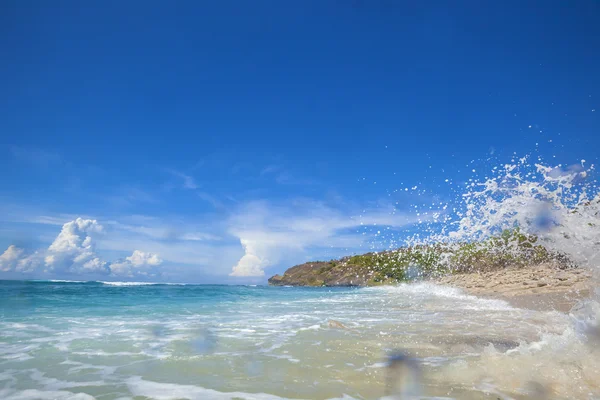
point(282, 176)
point(35, 156)
point(270, 169)
point(195, 257)
point(212, 200)
point(135, 194)
point(188, 181)
point(286, 178)
point(18, 213)
point(127, 196)
point(270, 232)
point(170, 231)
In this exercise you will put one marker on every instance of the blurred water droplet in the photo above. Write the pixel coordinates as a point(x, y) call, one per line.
point(536, 391)
point(586, 318)
point(255, 368)
point(544, 220)
point(204, 342)
point(402, 377)
point(159, 331)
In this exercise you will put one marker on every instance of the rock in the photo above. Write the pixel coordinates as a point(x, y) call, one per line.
point(336, 324)
point(276, 280)
point(322, 273)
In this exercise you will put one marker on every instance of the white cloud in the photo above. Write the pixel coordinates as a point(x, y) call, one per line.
point(254, 259)
point(198, 236)
point(270, 233)
point(73, 249)
point(10, 257)
point(29, 263)
point(139, 263)
point(16, 259)
point(139, 259)
point(73, 252)
point(74, 235)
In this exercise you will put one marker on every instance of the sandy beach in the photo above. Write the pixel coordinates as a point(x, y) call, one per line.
point(542, 287)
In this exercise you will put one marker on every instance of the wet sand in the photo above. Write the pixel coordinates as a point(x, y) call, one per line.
point(542, 287)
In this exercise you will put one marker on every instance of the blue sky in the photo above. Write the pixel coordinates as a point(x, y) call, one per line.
point(211, 137)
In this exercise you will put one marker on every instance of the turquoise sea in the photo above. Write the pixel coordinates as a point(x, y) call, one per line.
point(94, 340)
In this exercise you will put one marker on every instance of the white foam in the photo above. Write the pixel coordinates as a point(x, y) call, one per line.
point(128, 283)
point(104, 354)
point(170, 391)
point(66, 281)
point(427, 289)
point(110, 283)
point(17, 352)
point(7, 376)
point(34, 394)
point(311, 328)
point(17, 357)
point(104, 370)
point(57, 384)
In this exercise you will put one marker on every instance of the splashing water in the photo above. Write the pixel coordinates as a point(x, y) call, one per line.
point(554, 207)
point(559, 205)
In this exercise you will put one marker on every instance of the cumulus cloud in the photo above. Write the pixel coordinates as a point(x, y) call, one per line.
point(16, 259)
point(73, 252)
point(10, 257)
point(73, 249)
point(270, 233)
point(254, 260)
point(29, 263)
point(138, 264)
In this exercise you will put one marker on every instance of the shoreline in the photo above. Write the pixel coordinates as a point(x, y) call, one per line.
point(542, 287)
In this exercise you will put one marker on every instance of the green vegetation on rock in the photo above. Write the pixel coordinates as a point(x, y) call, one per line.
point(510, 249)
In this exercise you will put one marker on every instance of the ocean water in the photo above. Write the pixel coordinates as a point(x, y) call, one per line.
point(93, 340)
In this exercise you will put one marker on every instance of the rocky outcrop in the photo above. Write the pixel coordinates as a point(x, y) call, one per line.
point(325, 273)
point(510, 250)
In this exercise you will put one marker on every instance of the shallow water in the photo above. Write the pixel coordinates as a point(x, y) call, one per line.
point(61, 340)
